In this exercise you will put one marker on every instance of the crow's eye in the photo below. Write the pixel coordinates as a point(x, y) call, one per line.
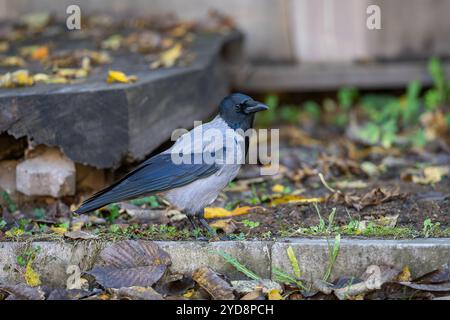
point(240, 107)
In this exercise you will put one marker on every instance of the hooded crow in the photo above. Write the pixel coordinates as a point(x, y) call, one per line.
point(192, 173)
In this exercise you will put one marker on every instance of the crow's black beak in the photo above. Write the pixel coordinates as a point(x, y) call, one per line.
point(254, 106)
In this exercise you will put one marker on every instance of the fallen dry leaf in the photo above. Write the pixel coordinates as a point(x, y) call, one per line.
point(118, 76)
point(169, 57)
point(131, 263)
point(217, 212)
point(440, 275)
point(257, 294)
point(218, 288)
point(295, 199)
point(12, 61)
point(430, 175)
point(226, 225)
point(135, 293)
point(22, 292)
point(372, 198)
point(19, 78)
point(405, 275)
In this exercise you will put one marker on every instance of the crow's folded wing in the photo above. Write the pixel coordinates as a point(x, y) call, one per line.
point(156, 174)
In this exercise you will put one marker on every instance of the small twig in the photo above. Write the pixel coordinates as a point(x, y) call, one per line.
point(322, 179)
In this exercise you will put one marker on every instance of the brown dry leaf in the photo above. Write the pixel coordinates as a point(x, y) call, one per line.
point(435, 124)
point(22, 292)
point(295, 199)
point(136, 293)
point(372, 198)
point(218, 288)
point(226, 225)
point(303, 173)
point(339, 166)
point(119, 76)
point(131, 263)
point(19, 78)
point(436, 276)
point(256, 294)
point(437, 287)
point(12, 61)
point(217, 212)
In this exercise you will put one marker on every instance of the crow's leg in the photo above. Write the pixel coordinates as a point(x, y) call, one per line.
point(191, 220)
point(205, 224)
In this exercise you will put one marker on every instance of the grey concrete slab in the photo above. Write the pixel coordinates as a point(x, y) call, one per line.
point(420, 255)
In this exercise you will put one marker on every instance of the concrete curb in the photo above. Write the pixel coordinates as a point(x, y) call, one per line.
point(420, 255)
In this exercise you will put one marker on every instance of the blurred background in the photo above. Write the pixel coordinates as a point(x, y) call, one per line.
point(356, 103)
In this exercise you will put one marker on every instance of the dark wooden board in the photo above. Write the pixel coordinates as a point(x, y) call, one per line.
point(99, 124)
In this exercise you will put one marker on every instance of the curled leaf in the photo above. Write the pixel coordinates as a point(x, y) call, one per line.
point(218, 288)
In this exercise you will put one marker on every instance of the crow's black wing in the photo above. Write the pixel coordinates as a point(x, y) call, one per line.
point(156, 174)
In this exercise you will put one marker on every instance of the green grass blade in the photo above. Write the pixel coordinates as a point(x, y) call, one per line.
point(237, 265)
point(294, 262)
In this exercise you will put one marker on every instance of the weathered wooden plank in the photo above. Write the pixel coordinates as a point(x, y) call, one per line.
point(98, 124)
point(320, 77)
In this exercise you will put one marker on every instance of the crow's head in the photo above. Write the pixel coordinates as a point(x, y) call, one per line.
point(238, 110)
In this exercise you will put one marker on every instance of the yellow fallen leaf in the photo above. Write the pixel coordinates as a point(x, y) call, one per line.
point(295, 199)
point(31, 277)
point(274, 294)
point(118, 76)
point(189, 293)
point(405, 275)
point(278, 188)
point(169, 57)
point(14, 233)
point(215, 212)
point(59, 230)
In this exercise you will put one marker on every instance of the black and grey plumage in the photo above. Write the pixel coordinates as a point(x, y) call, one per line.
point(189, 185)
